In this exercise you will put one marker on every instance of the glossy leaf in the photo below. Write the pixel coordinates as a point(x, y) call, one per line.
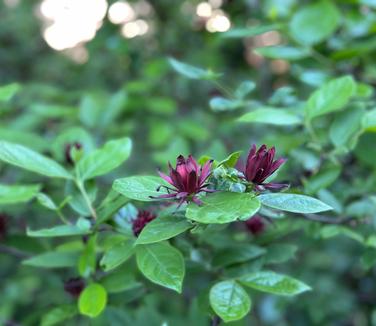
point(229, 300)
point(105, 159)
point(224, 207)
point(140, 187)
point(270, 282)
point(162, 264)
point(294, 203)
point(163, 228)
point(59, 231)
point(29, 160)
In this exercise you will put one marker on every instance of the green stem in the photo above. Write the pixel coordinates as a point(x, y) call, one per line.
point(62, 217)
point(320, 58)
point(223, 88)
point(312, 133)
point(81, 187)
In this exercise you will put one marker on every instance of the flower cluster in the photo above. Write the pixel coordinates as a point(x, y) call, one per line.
point(188, 179)
point(143, 217)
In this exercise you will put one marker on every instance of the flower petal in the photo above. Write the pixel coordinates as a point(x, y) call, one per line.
point(165, 177)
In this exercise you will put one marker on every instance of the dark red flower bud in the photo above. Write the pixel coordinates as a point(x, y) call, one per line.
point(255, 224)
point(188, 179)
point(261, 165)
point(74, 286)
point(3, 225)
point(68, 148)
point(143, 218)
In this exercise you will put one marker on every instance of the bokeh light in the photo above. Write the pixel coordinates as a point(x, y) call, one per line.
point(121, 12)
point(218, 22)
point(71, 22)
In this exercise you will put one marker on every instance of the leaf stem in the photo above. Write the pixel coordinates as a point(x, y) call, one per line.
point(81, 187)
point(62, 217)
point(223, 88)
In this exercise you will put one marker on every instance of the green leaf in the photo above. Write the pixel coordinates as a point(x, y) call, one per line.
point(224, 207)
point(280, 253)
point(162, 264)
point(244, 89)
point(58, 315)
point(346, 126)
point(229, 300)
point(17, 194)
point(231, 160)
point(87, 262)
point(283, 52)
point(249, 31)
point(191, 71)
point(58, 231)
point(270, 282)
point(323, 179)
point(237, 254)
point(117, 255)
point(8, 91)
point(120, 280)
point(294, 203)
point(274, 116)
point(369, 120)
point(104, 160)
point(315, 22)
point(221, 104)
point(53, 259)
point(332, 96)
point(163, 228)
point(29, 160)
point(93, 300)
point(46, 201)
point(140, 187)
point(110, 205)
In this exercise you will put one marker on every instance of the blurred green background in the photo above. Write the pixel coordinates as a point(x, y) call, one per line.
point(94, 70)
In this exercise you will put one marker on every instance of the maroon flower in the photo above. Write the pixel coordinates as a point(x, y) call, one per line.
point(261, 165)
point(3, 226)
point(143, 218)
point(74, 286)
point(188, 179)
point(255, 224)
point(68, 148)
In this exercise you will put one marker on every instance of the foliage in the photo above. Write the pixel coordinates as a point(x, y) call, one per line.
point(216, 240)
